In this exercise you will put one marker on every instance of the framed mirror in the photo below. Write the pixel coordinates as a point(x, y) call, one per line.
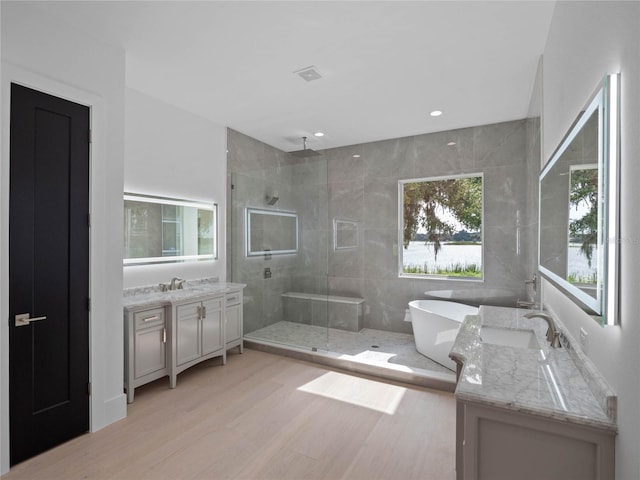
point(270, 232)
point(165, 230)
point(578, 209)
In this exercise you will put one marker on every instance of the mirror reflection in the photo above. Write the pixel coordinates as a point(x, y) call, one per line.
point(578, 209)
point(582, 259)
point(271, 232)
point(569, 211)
point(161, 230)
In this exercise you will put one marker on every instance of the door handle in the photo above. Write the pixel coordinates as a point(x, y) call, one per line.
point(23, 319)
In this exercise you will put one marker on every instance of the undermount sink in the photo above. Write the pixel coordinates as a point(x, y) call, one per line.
point(509, 337)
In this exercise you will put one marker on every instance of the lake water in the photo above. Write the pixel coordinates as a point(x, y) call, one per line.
point(419, 254)
point(578, 263)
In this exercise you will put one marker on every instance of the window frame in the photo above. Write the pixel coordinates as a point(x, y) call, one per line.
point(400, 239)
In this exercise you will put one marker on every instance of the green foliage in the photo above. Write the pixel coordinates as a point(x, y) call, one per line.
point(452, 270)
point(581, 279)
point(426, 203)
point(584, 189)
point(465, 238)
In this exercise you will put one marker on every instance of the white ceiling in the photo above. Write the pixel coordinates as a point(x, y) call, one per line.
point(385, 65)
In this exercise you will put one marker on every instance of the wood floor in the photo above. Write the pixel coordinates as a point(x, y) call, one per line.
point(264, 416)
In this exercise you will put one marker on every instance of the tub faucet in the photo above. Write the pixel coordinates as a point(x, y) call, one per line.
point(176, 283)
point(533, 282)
point(553, 334)
point(525, 304)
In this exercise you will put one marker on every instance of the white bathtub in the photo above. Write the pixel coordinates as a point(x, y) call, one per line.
point(435, 326)
point(500, 297)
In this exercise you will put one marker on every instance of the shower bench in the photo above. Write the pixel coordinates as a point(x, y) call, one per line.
point(345, 313)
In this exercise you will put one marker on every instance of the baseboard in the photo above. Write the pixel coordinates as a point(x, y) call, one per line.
point(114, 409)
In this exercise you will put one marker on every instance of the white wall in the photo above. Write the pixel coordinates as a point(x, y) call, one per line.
point(586, 41)
point(48, 55)
point(172, 152)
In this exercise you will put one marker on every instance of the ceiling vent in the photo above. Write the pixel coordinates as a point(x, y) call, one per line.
point(309, 73)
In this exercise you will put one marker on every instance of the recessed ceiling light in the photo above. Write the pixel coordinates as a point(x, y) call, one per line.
point(436, 113)
point(451, 144)
point(318, 134)
point(355, 155)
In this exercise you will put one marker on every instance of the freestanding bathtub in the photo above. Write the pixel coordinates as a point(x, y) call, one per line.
point(435, 326)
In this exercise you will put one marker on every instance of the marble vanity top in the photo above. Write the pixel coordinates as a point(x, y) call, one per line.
point(545, 381)
point(152, 296)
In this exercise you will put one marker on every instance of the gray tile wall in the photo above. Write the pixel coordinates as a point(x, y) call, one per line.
point(365, 190)
point(530, 225)
point(255, 169)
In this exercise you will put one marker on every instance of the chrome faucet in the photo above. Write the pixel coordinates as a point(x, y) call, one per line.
point(176, 283)
point(553, 334)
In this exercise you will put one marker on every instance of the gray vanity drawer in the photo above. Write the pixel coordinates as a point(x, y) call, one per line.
point(233, 298)
point(149, 318)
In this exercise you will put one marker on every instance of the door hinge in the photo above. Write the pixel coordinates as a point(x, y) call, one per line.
point(88, 304)
point(90, 136)
point(89, 388)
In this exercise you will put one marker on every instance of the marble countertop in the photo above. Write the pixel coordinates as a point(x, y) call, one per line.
point(151, 296)
point(544, 382)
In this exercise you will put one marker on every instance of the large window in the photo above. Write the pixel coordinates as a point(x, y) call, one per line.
point(441, 227)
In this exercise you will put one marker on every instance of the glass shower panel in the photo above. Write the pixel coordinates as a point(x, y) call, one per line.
point(279, 240)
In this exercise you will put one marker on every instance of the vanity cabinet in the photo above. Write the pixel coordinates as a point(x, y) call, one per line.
point(146, 357)
point(198, 333)
point(529, 413)
point(167, 332)
point(233, 320)
point(499, 444)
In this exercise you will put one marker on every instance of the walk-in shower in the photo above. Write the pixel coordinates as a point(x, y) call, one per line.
point(281, 238)
point(278, 240)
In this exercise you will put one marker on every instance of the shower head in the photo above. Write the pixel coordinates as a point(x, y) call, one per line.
point(272, 200)
point(305, 152)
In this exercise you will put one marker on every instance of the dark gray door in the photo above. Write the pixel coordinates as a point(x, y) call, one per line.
point(48, 272)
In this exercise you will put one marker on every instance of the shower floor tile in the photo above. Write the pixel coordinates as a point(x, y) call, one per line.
point(367, 345)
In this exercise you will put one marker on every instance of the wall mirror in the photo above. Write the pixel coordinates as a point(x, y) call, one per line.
point(164, 230)
point(270, 232)
point(578, 248)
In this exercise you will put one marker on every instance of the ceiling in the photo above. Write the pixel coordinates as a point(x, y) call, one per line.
point(384, 65)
